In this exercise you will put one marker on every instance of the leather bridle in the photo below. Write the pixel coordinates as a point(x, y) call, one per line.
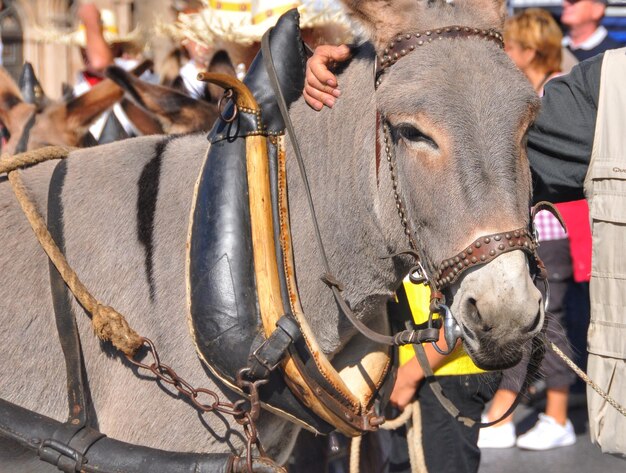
point(484, 249)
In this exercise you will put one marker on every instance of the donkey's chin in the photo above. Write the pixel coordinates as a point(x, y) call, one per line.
point(489, 356)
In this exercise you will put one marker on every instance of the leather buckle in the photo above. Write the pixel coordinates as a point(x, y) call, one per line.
point(60, 455)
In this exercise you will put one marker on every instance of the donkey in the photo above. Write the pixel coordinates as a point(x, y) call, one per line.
point(67, 122)
point(457, 111)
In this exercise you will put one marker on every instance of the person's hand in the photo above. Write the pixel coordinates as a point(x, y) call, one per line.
point(408, 378)
point(89, 14)
point(320, 86)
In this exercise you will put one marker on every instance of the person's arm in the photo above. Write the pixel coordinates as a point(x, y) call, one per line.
point(410, 375)
point(320, 85)
point(561, 139)
point(98, 52)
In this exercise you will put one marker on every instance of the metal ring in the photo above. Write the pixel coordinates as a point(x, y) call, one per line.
point(451, 331)
point(546, 298)
point(228, 94)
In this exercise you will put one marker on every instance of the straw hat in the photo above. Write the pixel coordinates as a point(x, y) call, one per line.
point(78, 38)
point(244, 21)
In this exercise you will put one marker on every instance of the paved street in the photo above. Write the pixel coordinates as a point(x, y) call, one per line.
point(583, 457)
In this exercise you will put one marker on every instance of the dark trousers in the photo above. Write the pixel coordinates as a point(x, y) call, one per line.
point(556, 257)
point(449, 446)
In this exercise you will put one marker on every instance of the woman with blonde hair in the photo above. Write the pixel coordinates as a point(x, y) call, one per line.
point(532, 40)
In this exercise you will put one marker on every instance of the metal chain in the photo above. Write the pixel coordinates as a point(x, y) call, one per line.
point(394, 183)
point(245, 418)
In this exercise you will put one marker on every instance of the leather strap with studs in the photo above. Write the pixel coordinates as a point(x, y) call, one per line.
point(404, 43)
point(482, 251)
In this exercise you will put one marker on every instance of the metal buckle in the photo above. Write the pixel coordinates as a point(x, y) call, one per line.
point(451, 329)
point(264, 363)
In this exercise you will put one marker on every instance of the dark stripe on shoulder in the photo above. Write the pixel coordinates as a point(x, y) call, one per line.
point(148, 190)
point(65, 315)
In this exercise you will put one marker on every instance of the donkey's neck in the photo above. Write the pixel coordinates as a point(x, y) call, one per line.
point(355, 211)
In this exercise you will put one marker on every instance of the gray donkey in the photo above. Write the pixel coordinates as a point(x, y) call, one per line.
point(457, 111)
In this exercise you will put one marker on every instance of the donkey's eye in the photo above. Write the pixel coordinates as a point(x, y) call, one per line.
point(413, 135)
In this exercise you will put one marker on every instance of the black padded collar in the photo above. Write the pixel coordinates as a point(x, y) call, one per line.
point(286, 44)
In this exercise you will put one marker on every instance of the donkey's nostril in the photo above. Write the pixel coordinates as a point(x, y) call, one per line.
point(474, 309)
point(532, 327)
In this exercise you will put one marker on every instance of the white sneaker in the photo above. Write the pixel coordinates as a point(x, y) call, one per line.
point(496, 436)
point(546, 434)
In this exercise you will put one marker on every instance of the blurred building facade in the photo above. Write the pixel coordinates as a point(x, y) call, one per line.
point(55, 64)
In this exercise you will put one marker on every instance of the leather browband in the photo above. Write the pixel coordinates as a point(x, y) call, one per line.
point(404, 43)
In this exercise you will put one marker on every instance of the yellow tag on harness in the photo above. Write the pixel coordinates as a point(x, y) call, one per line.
point(458, 362)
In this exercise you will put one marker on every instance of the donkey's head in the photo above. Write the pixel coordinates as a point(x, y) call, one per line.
point(456, 113)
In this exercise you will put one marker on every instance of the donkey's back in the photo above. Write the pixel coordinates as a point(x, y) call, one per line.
point(123, 212)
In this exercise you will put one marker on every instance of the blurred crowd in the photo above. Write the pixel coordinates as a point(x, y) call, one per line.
point(536, 44)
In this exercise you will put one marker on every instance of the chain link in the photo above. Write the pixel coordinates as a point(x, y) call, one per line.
point(402, 213)
point(245, 418)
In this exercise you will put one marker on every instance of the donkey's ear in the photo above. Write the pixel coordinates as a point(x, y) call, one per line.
point(14, 112)
point(81, 111)
point(31, 89)
point(494, 8)
point(67, 91)
point(177, 112)
point(142, 120)
point(384, 19)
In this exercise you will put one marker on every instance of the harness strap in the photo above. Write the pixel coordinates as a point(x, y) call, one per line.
point(537, 352)
point(268, 356)
point(331, 281)
point(65, 320)
point(106, 455)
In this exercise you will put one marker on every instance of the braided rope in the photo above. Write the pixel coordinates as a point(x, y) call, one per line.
point(402, 419)
point(108, 324)
point(410, 416)
point(414, 441)
point(10, 163)
point(582, 375)
point(355, 454)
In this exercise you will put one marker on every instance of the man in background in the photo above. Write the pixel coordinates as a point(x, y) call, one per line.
point(586, 36)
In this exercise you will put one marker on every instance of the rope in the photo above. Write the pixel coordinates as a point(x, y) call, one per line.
point(355, 454)
point(581, 374)
point(108, 324)
point(403, 418)
point(411, 416)
point(10, 163)
point(414, 441)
